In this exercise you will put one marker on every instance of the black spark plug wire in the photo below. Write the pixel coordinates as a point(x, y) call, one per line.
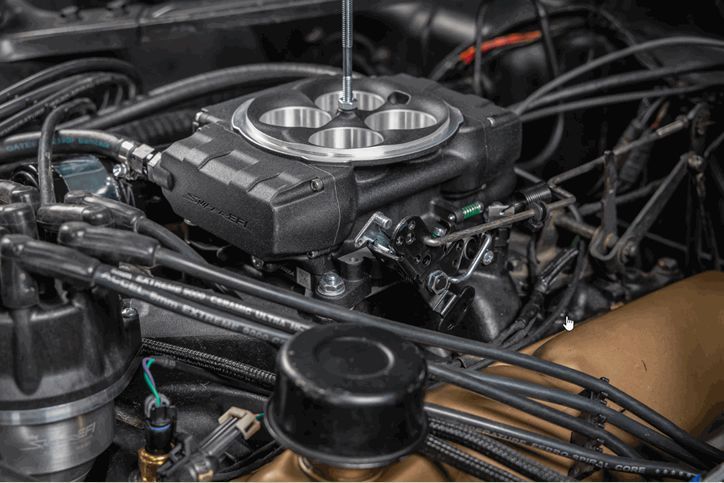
point(67, 264)
point(554, 446)
point(264, 291)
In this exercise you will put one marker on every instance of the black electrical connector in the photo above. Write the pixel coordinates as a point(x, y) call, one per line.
point(19, 219)
point(130, 218)
point(159, 428)
point(12, 192)
point(110, 245)
point(29, 256)
point(51, 217)
point(191, 461)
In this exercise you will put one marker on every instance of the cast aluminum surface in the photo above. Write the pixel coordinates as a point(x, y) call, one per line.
point(389, 125)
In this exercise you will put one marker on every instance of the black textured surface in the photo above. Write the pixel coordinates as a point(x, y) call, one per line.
point(349, 395)
point(65, 351)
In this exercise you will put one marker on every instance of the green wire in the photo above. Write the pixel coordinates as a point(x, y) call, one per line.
point(260, 416)
point(150, 384)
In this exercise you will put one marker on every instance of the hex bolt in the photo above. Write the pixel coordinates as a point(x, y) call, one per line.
point(331, 285)
point(437, 282)
point(488, 257)
point(257, 263)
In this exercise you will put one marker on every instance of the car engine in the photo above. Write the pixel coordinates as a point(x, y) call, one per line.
point(314, 240)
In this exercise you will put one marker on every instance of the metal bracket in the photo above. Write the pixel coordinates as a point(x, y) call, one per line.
point(627, 246)
point(374, 235)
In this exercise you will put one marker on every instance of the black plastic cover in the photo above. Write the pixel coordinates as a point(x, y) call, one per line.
point(60, 350)
point(349, 396)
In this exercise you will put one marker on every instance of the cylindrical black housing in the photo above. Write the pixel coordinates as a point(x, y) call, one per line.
point(349, 396)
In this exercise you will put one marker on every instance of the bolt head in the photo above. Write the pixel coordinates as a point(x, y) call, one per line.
point(120, 170)
point(488, 257)
point(257, 263)
point(331, 285)
point(316, 184)
point(667, 264)
point(439, 231)
point(630, 250)
point(350, 105)
point(70, 12)
point(129, 313)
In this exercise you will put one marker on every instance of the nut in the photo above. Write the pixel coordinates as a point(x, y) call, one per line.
point(331, 285)
point(438, 282)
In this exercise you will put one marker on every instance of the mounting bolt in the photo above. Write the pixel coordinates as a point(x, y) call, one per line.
point(488, 257)
point(438, 232)
point(257, 263)
point(438, 282)
point(630, 250)
point(129, 313)
point(667, 264)
point(331, 285)
point(120, 170)
point(696, 162)
point(316, 184)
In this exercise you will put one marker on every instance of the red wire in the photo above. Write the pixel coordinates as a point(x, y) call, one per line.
point(468, 55)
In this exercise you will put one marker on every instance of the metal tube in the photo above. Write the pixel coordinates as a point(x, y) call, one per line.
point(484, 247)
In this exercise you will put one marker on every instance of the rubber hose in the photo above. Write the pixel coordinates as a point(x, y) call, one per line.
point(438, 450)
point(488, 446)
point(204, 84)
point(66, 69)
point(213, 363)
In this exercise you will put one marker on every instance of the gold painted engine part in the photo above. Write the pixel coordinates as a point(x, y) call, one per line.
point(665, 349)
point(149, 463)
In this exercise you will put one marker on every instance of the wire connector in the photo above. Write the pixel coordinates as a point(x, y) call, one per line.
point(246, 421)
